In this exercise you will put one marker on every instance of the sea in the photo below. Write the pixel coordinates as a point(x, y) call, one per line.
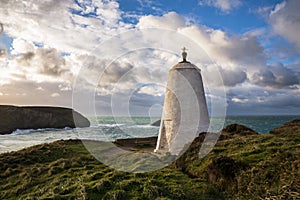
point(109, 128)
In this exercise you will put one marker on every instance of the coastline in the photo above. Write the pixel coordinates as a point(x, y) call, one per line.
point(64, 169)
point(138, 127)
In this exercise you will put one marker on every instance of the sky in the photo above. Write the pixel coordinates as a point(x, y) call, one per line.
point(117, 54)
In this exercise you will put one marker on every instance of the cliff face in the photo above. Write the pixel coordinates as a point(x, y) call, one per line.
point(13, 118)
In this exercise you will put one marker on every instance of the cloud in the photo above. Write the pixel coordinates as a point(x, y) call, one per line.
point(152, 89)
point(2, 53)
point(230, 77)
point(54, 39)
point(239, 100)
point(276, 76)
point(169, 20)
point(285, 21)
point(40, 88)
point(217, 43)
point(36, 63)
point(145, 100)
point(36, 94)
point(62, 25)
point(238, 58)
point(116, 72)
point(51, 62)
point(126, 73)
point(256, 100)
point(125, 104)
point(236, 55)
point(21, 46)
point(233, 77)
point(223, 5)
point(264, 78)
point(55, 95)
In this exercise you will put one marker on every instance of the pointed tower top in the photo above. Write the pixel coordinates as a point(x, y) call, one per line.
point(184, 54)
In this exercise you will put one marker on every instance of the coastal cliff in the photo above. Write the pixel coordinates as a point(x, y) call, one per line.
point(13, 118)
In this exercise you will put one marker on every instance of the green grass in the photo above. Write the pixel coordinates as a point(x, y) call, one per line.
point(264, 166)
point(241, 167)
point(65, 170)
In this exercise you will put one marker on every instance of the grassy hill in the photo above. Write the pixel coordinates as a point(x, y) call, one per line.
point(242, 165)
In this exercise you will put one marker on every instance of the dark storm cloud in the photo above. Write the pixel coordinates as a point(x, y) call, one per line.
point(245, 49)
point(220, 76)
point(53, 64)
point(276, 76)
point(48, 61)
point(116, 72)
point(264, 78)
point(2, 53)
point(233, 77)
point(27, 56)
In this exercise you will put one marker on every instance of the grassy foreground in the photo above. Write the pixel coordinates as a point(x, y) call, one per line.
point(242, 165)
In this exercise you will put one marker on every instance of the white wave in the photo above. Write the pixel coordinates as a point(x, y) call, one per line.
point(22, 131)
point(144, 126)
point(28, 131)
point(101, 132)
point(110, 125)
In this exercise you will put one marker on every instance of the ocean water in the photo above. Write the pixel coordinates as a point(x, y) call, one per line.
point(111, 128)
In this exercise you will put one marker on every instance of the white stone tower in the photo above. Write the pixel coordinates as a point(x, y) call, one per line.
point(185, 112)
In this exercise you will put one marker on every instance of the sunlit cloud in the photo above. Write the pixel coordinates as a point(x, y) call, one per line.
point(53, 40)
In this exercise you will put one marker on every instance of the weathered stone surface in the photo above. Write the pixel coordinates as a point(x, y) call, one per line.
point(13, 118)
point(185, 110)
point(147, 144)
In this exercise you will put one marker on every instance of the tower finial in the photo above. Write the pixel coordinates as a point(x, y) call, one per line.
point(184, 54)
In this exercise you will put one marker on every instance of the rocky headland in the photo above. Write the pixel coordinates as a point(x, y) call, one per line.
point(33, 117)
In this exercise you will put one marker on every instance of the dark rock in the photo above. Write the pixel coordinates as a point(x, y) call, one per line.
point(292, 127)
point(13, 118)
point(156, 123)
point(236, 130)
point(137, 143)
